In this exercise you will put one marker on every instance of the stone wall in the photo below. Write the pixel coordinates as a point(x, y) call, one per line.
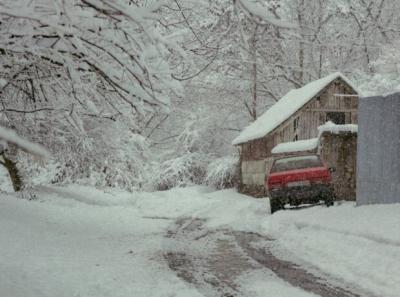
point(339, 150)
point(378, 163)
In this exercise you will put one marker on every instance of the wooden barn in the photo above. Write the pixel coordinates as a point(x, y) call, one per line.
point(296, 116)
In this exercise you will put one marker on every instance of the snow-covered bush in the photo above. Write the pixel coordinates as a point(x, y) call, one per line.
point(192, 154)
point(188, 169)
point(109, 155)
point(185, 161)
point(223, 172)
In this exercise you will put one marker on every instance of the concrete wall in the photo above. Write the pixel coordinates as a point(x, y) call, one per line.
point(253, 177)
point(378, 162)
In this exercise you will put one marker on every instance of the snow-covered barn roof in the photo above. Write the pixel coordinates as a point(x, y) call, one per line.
point(286, 107)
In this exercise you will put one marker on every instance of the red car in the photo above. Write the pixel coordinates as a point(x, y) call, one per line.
point(298, 180)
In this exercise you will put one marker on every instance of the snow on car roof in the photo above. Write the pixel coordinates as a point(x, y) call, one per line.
point(296, 146)
point(286, 107)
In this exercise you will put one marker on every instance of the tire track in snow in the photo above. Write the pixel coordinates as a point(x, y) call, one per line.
point(222, 255)
point(289, 271)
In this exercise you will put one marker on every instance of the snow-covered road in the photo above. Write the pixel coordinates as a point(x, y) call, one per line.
point(78, 241)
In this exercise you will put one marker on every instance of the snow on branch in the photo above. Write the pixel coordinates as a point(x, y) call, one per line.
point(107, 54)
point(11, 137)
point(257, 12)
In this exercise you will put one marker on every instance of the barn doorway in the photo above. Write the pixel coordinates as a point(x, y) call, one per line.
point(338, 118)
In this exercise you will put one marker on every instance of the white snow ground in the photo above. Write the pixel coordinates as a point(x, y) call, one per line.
point(360, 245)
point(79, 241)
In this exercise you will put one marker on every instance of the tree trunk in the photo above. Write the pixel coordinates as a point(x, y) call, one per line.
point(13, 171)
point(253, 51)
point(300, 12)
point(254, 92)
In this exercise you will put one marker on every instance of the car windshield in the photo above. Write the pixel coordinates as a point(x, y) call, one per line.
point(293, 163)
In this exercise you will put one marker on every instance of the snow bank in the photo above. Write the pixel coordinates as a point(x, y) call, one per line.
point(220, 208)
point(169, 204)
point(360, 245)
point(285, 108)
point(228, 208)
point(296, 146)
point(60, 246)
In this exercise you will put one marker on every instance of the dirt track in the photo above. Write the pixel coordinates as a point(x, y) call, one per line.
point(212, 261)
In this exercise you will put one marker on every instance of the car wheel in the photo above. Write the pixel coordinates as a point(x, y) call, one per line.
point(276, 204)
point(329, 198)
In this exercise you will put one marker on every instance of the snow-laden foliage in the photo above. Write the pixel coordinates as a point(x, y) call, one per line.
point(187, 158)
point(184, 162)
point(386, 68)
point(223, 172)
point(98, 57)
point(181, 171)
point(146, 94)
point(85, 78)
point(109, 158)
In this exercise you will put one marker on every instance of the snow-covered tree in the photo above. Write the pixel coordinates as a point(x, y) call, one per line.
point(385, 77)
point(116, 88)
point(72, 68)
point(96, 58)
